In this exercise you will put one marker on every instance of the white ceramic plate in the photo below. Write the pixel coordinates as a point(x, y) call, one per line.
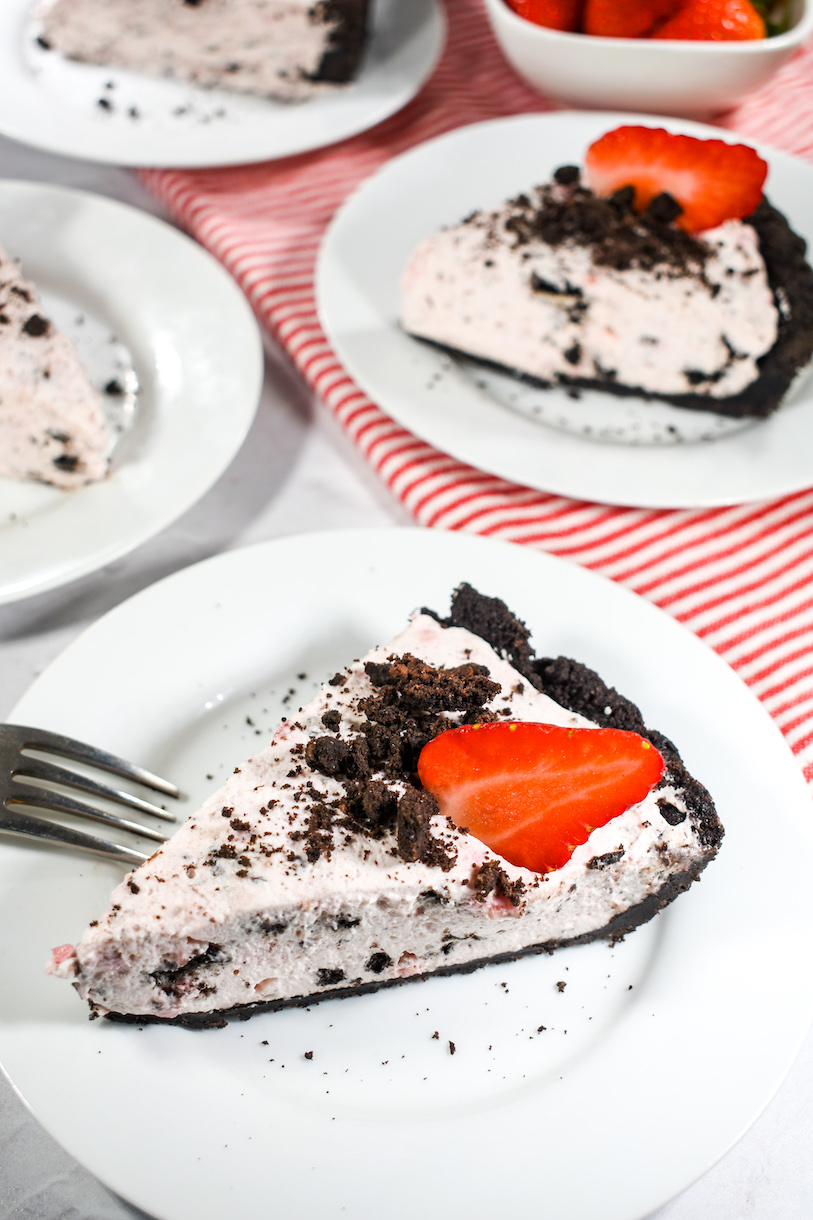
point(52, 103)
point(195, 347)
point(653, 1060)
point(616, 451)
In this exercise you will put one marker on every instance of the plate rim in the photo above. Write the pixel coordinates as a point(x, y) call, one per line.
point(208, 572)
point(27, 583)
point(549, 445)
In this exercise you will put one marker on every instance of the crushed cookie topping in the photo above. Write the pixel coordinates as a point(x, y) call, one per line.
point(567, 213)
point(410, 705)
point(490, 878)
point(422, 688)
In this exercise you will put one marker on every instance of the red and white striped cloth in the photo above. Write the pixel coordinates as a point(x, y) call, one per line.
point(741, 577)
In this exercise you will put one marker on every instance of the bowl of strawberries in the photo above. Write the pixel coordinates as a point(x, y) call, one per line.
point(693, 58)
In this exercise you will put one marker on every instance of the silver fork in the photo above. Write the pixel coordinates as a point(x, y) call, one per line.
point(21, 777)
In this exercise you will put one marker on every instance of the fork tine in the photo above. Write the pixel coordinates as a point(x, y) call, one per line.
point(79, 751)
point(39, 770)
point(39, 798)
point(16, 823)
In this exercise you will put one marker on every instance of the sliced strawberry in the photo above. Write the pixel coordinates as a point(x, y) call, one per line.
point(626, 18)
point(714, 20)
point(555, 14)
point(534, 792)
point(711, 180)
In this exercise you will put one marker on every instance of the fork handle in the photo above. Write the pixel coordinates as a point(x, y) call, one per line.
point(24, 824)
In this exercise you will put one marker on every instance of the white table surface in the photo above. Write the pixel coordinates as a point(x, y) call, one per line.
point(297, 473)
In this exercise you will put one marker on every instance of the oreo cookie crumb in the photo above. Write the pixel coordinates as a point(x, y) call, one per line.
point(491, 878)
point(663, 209)
point(609, 857)
point(36, 326)
point(378, 962)
point(670, 813)
point(567, 175)
point(326, 977)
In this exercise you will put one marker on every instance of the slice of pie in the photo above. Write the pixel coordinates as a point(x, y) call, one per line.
point(284, 49)
point(324, 868)
point(52, 426)
point(659, 271)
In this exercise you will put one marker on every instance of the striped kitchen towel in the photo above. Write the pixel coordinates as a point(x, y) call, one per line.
point(740, 577)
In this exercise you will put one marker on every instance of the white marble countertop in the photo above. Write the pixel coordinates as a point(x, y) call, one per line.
point(297, 473)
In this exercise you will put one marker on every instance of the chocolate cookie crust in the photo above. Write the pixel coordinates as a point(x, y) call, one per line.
point(348, 38)
point(572, 685)
point(579, 689)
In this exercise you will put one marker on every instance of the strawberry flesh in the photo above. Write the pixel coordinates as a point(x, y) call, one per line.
point(711, 180)
point(626, 18)
point(554, 14)
point(714, 21)
point(534, 792)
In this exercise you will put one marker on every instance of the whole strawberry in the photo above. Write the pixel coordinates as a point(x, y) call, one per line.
point(626, 18)
point(555, 14)
point(714, 21)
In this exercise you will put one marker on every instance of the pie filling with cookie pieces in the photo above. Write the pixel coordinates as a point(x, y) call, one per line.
point(52, 425)
point(289, 50)
point(447, 801)
point(659, 269)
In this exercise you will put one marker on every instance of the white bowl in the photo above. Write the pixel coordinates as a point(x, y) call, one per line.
point(695, 79)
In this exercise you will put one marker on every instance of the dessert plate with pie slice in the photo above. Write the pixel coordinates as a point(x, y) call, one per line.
point(604, 1079)
point(124, 118)
point(160, 323)
point(586, 445)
